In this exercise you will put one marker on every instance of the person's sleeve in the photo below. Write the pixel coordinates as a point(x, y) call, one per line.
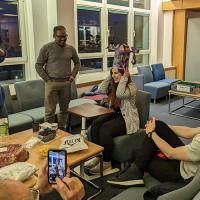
point(124, 91)
point(76, 61)
point(193, 149)
point(41, 61)
point(103, 88)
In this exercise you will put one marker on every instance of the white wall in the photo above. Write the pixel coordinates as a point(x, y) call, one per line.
point(66, 18)
point(192, 64)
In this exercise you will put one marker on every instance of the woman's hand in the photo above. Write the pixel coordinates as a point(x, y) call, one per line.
point(126, 72)
point(150, 125)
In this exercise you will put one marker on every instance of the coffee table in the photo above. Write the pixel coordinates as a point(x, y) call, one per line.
point(88, 111)
point(73, 159)
point(195, 97)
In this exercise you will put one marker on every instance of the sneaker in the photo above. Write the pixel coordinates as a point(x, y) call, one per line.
point(133, 176)
point(96, 170)
point(94, 162)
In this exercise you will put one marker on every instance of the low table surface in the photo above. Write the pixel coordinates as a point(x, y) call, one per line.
point(72, 158)
point(88, 110)
point(185, 94)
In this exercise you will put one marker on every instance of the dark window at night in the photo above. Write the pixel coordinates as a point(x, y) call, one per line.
point(117, 26)
point(110, 62)
point(91, 65)
point(12, 73)
point(89, 33)
point(9, 28)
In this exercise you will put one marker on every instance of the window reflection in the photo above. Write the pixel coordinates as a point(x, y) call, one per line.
point(119, 2)
point(143, 4)
point(117, 26)
point(110, 62)
point(89, 33)
point(9, 28)
point(142, 59)
point(12, 73)
point(91, 65)
point(141, 24)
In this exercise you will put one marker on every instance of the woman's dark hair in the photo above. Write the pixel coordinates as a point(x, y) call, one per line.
point(115, 102)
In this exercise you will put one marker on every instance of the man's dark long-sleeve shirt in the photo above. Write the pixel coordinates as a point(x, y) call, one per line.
point(54, 61)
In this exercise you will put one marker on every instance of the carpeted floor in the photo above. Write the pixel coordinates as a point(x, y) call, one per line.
point(160, 111)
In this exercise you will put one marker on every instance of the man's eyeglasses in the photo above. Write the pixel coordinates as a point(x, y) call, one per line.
point(61, 36)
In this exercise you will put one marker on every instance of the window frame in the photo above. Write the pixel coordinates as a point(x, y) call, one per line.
point(22, 33)
point(105, 54)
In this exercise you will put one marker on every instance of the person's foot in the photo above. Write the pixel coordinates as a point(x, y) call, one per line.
point(133, 176)
point(96, 170)
point(94, 162)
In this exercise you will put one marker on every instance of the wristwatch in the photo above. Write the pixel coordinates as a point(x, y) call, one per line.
point(150, 134)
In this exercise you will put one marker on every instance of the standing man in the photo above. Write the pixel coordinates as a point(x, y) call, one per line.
point(54, 67)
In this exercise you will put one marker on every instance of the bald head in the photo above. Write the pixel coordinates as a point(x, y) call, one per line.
point(15, 190)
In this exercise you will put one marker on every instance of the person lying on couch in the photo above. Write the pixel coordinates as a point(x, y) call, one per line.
point(180, 161)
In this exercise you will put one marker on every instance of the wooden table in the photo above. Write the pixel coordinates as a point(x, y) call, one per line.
point(73, 159)
point(87, 111)
point(195, 97)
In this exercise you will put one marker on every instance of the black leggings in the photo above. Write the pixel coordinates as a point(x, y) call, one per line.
point(161, 169)
point(104, 129)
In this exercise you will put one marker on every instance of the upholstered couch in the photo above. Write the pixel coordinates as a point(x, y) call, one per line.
point(189, 192)
point(153, 84)
point(29, 106)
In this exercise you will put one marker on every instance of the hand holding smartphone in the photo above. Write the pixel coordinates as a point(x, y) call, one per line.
point(57, 164)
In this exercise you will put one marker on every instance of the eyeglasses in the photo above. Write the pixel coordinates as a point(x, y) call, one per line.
point(35, 193)
point(61, 36)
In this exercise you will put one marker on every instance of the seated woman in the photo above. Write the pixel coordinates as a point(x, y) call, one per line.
point(2, 55)
point(121, 93)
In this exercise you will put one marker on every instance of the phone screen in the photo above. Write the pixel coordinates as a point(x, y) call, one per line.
point(57, 160)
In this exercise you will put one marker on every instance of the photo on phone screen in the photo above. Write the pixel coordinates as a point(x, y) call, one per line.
point(57, 160)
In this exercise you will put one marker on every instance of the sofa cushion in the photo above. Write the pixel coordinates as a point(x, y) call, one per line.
point(30, 94)
point(157, 89)
point(158, 72)
point(146, 71)
point(19, 122)
point(36, 114)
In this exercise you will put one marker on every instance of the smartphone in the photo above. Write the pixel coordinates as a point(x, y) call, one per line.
point(57, 164)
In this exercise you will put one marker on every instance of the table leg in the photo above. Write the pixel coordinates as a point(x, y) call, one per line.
point(83, 127)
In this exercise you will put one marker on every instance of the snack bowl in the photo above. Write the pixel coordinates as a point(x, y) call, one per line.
point(47, 134)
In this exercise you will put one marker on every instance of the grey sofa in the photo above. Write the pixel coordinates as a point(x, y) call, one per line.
point(30, 104)
point(157, 89)
point(189, 192)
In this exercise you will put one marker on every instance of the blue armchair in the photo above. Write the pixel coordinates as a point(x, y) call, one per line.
point(157, 89)
point(159, 74)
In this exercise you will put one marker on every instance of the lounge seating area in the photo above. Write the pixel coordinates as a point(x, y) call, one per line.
point(29, 105)
point(154, 80)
